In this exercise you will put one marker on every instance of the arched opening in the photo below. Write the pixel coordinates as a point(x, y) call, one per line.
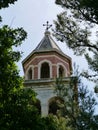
point(37, 104)
point(54, 105)
point(61, 71)
point(45, 70)
point(30, 73)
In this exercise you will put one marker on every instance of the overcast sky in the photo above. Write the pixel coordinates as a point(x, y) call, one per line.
point(31, 15)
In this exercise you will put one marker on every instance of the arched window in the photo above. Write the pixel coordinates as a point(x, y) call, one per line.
point(45, 70)
point(37, 104)
point(54, 105)
point(61, 71)
point(30, 73)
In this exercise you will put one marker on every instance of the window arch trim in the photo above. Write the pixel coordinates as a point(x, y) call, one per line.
point(39, 68)
point(27, 71)
point(65, 70)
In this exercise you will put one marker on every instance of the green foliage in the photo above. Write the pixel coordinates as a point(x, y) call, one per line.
point(16, 112)
point(63, 123)
point(74, 26)
point(9, 75)
point(17, 104)
point(56, 123)
point(78, 106)
point(6, 3)
point(82, 9)
point(50, 123)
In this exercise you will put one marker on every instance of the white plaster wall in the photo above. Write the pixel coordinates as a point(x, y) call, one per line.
point(44, 94)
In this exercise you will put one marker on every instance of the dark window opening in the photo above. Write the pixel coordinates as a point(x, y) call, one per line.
point(37, 105)
point(61, 71)
point(45, 70)
point(54, 105)
point(30, 74)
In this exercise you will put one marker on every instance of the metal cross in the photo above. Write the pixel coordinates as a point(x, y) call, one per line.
point(47, 25)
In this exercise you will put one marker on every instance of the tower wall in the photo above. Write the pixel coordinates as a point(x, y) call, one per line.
point(46, 56)
point(54, 62)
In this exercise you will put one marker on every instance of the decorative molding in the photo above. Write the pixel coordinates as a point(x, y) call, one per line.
point(46, 57)
point(39, 67)
point(65, 70)
point(26, 74)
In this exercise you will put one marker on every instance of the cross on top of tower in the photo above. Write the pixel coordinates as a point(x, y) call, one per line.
point(47, 25)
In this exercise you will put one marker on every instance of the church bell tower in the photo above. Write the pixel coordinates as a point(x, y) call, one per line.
point(41, 68)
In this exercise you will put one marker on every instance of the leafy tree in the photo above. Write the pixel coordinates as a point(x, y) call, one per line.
point(75, 25)
point(16, 110)
point(56, 123)
point(78, 106)
point(4, 4)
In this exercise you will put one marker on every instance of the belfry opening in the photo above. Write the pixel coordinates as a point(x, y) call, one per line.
point(41, 68)
point(45, 70)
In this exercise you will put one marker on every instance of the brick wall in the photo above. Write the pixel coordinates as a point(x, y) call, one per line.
point(53, 58)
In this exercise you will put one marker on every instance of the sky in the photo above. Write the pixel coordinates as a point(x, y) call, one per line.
point(31, 15)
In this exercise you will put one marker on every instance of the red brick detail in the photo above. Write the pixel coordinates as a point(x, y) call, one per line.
point(54, 71)
point(54, 58)
point(35, 72)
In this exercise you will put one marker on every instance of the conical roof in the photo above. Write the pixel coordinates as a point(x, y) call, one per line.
point(47, 43)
